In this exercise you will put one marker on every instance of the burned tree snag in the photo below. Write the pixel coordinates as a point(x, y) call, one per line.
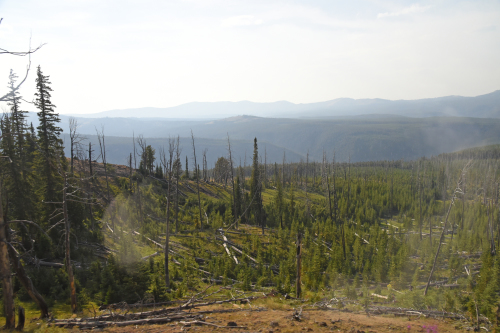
point(130, 171)
point(177, 170)
point(197, 180)
point(21, 319)
point(90, 159)
point(102, 146)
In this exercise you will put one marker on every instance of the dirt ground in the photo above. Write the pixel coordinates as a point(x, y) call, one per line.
point(313, 321)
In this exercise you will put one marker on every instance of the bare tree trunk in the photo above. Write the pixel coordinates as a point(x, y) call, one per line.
point(130, 171)
point(457, 190)
point(102, 146)
point(69, 268)
point(75, 139)
point(5, 273)
point(168, 166)
point(204, 165)
point(197, 180)
point(177, 175)
point(90, 159)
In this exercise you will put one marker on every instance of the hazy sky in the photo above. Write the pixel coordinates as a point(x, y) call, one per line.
point(104, 55)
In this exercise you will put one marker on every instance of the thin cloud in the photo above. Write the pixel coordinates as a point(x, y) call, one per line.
point(241, 20)
point(413, 9)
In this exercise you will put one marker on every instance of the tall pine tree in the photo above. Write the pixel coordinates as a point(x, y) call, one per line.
point(14, 145)
point(50, 155)
point(256, 188)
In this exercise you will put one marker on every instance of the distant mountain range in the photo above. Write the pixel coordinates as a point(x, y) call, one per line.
point(483, 106)
point(364, 130)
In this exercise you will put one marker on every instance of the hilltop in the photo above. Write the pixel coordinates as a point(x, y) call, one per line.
point(483, 106)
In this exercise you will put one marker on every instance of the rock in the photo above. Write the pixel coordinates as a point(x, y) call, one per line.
point(232, 324)
point(274, 324)
point(322, 324)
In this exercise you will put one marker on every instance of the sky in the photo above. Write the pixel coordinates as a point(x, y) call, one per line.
point(109, 54)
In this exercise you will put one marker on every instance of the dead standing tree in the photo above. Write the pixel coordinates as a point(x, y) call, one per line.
point(75, 140)
point(102, 147)
point(197, 179)
point(205, 165)
point(167, 165)
point(177, 169)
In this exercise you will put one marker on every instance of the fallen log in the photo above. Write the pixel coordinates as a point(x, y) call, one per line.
point(242, 253)
point(100, 324)
point(124, 305)
point(229, 252)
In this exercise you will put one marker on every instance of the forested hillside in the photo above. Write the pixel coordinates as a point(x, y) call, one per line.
point(419, 234)
point(363, 138)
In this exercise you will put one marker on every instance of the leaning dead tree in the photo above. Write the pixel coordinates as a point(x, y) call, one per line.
point(458, 190)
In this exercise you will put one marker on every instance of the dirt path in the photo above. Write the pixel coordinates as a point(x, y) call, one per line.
point(313, 321)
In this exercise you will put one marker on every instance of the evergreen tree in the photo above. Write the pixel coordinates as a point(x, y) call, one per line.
point(51, 152)
point(15, 147)
point(237, 198)
point(256, 188)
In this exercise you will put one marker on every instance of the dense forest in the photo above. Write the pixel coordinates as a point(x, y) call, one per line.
point(76, 231)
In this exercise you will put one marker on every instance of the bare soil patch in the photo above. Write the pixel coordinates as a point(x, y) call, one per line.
point(313, 321)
